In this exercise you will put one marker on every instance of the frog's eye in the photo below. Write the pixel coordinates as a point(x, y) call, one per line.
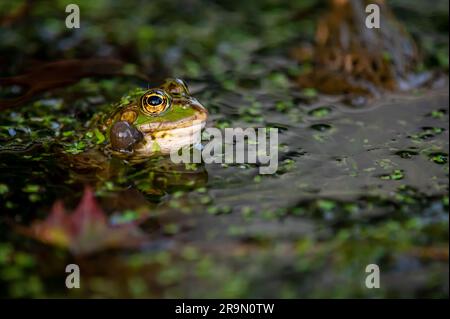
point(155, 102)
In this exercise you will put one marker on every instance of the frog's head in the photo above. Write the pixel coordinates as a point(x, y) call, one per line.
point(161, 120)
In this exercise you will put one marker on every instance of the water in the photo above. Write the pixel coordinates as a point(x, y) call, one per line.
point(356, 185)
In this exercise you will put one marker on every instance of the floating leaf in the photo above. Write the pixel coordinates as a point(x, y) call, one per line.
point(84, 231)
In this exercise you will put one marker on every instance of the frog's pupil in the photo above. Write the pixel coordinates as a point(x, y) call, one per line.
point(154, 100)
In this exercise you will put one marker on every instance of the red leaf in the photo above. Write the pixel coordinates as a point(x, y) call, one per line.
point(86, 230)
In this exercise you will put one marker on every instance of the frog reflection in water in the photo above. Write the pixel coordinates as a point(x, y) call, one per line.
point(142, 130)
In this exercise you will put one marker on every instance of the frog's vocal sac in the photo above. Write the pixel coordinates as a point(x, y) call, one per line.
point(162, 120)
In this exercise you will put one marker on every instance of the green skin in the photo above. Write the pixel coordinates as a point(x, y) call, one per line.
point(134, 131)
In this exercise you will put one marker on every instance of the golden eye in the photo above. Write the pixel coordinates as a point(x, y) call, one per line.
point(155, 102)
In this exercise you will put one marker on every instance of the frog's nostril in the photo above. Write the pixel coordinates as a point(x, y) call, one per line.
point(123, 135)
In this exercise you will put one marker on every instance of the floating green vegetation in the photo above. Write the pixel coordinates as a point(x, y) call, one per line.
point(439, 158)
point(396, 175)
point(406, 154)
point(309, 93)
point(18, 272)
point(3, 189)
point(427, 133)
point(438, 114)
point(320, 112)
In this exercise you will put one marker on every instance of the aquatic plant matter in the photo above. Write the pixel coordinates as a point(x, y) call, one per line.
point(86, 230)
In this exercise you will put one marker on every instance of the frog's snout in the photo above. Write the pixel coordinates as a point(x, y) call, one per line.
point(123, 136)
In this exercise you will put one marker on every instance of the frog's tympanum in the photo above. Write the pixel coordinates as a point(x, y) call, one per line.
point(161, 120)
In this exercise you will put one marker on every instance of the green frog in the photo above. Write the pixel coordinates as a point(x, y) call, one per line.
point(140, 130)
point(159, 120)
point(144, 123)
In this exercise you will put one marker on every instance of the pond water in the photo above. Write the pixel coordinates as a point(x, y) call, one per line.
point(356, 185)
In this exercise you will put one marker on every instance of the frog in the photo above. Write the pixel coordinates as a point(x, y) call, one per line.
point(159, 120)
point(140, 131)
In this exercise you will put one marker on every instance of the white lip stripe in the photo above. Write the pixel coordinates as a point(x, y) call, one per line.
point(171, 140)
